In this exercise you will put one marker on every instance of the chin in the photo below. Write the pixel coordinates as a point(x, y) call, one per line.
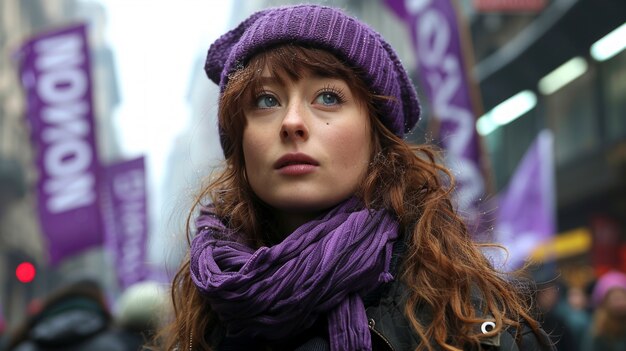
point(303, 207)
point(306, 205)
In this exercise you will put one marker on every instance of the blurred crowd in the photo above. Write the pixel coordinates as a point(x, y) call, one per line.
point(78, 317)
point(583, 318)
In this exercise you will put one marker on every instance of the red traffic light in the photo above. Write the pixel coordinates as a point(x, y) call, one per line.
point(25, 272)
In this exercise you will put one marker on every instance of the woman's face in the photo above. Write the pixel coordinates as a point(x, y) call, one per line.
point(615, 302)
point(306, 144)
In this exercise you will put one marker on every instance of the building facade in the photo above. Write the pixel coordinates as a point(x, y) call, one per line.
point(20, 234)
point(586, 114)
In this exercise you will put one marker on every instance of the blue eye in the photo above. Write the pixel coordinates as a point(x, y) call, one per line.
point(327, 99)
point(266, 101)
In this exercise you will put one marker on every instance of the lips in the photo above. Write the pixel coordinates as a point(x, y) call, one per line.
point(295, 159)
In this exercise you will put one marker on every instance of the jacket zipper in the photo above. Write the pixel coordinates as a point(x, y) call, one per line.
point(371, 323)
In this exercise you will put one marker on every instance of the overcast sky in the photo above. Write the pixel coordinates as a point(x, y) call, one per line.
point(156, 43)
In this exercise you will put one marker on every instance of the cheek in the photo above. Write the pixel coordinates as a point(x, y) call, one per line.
point(253, 139)
point(351, 149)
point(253, 148)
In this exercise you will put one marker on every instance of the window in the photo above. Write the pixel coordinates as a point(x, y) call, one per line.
point(614, 81)
point(507, 145)
point(571, 113)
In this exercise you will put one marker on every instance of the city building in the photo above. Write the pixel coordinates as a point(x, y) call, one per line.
point(570, 58)
point(20, 234)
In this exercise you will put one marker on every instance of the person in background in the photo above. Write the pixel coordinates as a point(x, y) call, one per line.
point(608, 328)
point(326, 230)
point(548, 289)
point(140, 311)
point(573, 309)
point(3, 327)
point(74, 318)
point(547, 298)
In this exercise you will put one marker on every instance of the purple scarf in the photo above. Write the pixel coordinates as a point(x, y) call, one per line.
point(323, 267)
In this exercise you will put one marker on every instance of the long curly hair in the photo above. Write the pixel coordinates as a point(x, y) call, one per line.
point(442, 265)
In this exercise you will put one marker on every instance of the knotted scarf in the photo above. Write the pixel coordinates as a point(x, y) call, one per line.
point(322, 268)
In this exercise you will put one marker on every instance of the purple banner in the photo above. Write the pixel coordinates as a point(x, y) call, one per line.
point(56, 75)
point(441, 66)
point(125, 213)
point(526, 209)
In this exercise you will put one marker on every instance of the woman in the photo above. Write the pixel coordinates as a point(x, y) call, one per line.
point(607, 331)
point(325, 230)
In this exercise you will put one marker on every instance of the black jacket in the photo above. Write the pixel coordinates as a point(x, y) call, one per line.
point(77, 329)
point(390, 328)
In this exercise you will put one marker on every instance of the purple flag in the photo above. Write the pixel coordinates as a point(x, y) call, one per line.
point(441, 66)
point(56, 75)
point(526, 210)
point(125, 213)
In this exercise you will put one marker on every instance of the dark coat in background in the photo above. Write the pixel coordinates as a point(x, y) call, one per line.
point(74, 319)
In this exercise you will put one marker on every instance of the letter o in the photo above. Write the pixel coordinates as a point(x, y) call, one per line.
point(62, 86)
point(432, 27)
point(67, 157)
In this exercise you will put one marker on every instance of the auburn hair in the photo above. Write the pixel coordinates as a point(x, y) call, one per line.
point(442, 267)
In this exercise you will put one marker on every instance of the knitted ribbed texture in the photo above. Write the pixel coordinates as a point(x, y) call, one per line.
point(327, 28)
point(322, 268)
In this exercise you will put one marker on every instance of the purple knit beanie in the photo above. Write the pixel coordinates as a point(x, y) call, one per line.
point(608, 281)
point(326, 28)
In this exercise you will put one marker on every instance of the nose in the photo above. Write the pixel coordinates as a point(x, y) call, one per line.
point(294, 126)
